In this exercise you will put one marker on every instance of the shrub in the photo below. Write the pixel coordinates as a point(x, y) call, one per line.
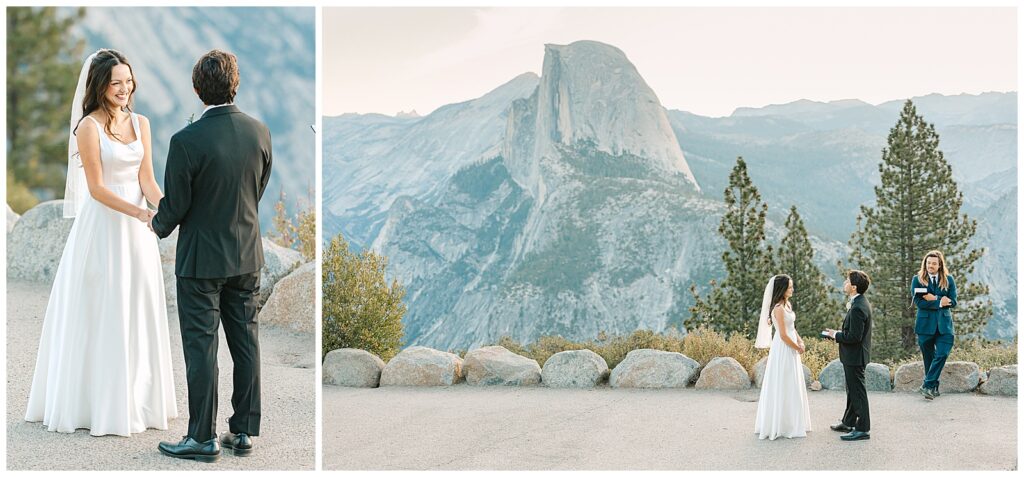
point(704, 345)
point(819, 352)
point(18, 196)
point(298, 233)
point(360, 309)
point(987, 354)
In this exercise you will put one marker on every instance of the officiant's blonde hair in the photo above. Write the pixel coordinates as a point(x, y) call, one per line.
point(922, 276)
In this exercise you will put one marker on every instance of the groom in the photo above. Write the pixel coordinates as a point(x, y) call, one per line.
point(855, 354)
point(217, 169)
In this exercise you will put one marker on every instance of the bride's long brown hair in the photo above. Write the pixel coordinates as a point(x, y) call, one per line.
point(779, 288)
point(100, 71)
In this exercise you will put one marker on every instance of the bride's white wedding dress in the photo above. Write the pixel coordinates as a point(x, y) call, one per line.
point(782, 409)
point(104, 360)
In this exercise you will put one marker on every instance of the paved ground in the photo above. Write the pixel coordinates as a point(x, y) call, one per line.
point(497, 428)
point(287, 437)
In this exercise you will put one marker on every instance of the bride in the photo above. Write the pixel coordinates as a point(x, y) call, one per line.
point(782, 409)
point(104, 360)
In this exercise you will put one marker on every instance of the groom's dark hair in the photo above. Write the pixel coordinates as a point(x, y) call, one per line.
point(859, 280)
point(215, 77)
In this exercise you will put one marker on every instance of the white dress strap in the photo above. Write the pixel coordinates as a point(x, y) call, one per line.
point(135, 126)
point(96, 122)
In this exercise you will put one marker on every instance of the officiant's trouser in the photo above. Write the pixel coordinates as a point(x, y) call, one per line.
point(203, 303)
point(856, 415)
point(934, 351)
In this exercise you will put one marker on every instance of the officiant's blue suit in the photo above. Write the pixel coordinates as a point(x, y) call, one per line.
point(934, 327)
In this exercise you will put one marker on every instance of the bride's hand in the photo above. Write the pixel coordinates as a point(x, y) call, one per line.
point(144, 215)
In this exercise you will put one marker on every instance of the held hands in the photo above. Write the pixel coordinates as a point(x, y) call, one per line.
point(929, 297)
point(144, 215)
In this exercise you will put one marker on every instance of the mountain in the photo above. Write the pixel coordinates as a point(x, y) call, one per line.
point(836, 148)
point(531, 211)
point(941, 110)
point(375, 159)
point(276, 85)
point(574, 202)
point(997, 232)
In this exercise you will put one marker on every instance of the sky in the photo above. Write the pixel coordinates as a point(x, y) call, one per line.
point(707, 61)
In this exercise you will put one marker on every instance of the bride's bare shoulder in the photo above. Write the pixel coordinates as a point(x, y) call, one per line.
point(87, 125)
point(93, 116)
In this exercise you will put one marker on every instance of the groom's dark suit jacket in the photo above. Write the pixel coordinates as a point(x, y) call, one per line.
point(217, 169)
point(855, 338)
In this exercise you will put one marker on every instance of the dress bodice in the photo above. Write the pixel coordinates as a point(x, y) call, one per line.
point(790, 322)
point(120, 161)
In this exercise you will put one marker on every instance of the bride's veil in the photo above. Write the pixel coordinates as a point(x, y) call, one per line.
point(764, 329)
point(75, 186)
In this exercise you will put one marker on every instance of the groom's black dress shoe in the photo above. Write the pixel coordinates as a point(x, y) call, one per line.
point(841, 427)
point(189, 448)
point(855, 436)
point(240, 444)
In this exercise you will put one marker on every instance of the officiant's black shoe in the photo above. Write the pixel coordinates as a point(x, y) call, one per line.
point(841, 427)
point(239, 444)
point(926, 392)
point(189, 448)
point(855, 436)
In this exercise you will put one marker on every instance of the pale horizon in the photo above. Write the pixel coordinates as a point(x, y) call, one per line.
point(424, 58)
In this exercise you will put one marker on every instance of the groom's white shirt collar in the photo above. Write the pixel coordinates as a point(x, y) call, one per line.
point(216, 106)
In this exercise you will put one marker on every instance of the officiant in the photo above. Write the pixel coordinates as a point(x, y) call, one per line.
point(934, 296)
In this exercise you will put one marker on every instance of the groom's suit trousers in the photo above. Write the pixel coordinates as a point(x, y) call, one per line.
point(857, 414)
point(203, 303)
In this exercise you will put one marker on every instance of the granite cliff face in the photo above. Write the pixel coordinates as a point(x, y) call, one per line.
point(550, 218)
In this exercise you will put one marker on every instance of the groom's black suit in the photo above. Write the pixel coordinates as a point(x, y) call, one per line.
point(855, 354)
point(217, 169)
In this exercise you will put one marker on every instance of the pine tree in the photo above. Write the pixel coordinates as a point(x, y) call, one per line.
point(917, 209)
point(360, 309)
point(814, 299)
point(43, 62)
point(733, 306)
